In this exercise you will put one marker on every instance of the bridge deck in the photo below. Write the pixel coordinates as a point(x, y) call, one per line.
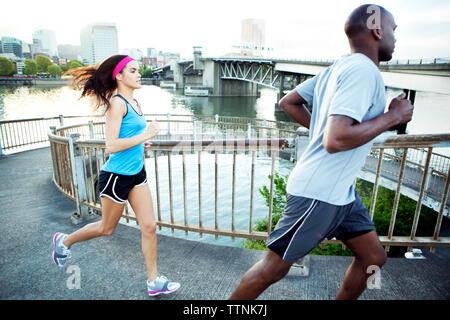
point(113, 267)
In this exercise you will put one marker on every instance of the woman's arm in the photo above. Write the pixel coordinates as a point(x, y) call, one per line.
point(114, 117)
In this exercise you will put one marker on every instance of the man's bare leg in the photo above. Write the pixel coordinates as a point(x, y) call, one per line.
point(259, 277)
point(368, 251)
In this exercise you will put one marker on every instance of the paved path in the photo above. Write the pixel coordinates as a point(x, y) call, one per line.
point(32, 209)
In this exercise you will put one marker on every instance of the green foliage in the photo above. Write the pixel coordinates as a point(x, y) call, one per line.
point(54, 70)
point(43, 63)
point(6, 67)
point(30, 67)
point(382, 217)
point(72, 64)
point(147, 73)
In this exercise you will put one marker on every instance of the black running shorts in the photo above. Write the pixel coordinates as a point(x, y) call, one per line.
point(118, 186)
point(306, 222)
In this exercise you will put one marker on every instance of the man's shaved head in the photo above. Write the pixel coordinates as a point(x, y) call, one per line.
point(363, 19)
point(370, 28)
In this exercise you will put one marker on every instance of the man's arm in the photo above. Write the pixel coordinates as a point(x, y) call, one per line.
point(293, 105)
point(344, 133)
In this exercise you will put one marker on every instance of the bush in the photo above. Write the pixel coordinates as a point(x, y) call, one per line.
point(382, 217)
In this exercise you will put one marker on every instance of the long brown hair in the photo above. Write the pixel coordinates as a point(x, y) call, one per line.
point(96, 80)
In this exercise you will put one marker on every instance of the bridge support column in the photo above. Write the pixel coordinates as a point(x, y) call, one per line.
point(280, 93)
point(178, 76)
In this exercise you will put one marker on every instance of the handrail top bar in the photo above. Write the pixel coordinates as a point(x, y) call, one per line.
point(273, 143)
point(413, 140)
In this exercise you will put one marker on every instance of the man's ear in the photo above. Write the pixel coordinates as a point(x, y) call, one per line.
point(377, 33)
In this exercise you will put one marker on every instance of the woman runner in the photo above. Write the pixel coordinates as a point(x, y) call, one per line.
point(122, 178)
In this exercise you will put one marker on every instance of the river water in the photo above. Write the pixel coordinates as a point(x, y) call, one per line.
point(431, 115)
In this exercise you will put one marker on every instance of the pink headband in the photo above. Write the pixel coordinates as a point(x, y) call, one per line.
point(120, 66)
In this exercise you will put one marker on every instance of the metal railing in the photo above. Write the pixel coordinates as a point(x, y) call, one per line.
point(78, 157)
point(78, 153)
point(84, 156)
point(22, 134)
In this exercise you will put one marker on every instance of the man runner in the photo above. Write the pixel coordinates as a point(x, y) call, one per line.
point(348, 102)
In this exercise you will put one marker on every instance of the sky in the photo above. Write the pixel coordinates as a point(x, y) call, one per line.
point(294, 28)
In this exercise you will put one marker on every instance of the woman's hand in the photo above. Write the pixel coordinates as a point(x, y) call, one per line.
point(147, 145)
point(152, 129)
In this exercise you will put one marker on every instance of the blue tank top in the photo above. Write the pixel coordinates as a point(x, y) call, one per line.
point(130, 161)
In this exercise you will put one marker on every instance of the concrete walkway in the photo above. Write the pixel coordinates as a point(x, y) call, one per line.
point(32, 210)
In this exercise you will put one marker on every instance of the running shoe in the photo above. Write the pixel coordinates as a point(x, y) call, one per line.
point(60, 252)
point(161, 285)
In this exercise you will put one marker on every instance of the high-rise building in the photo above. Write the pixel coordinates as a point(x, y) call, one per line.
point(98, 42)
point(12, 45)
point(47, 40)
point(69, 52)
point(253, 35)
point(151, 52)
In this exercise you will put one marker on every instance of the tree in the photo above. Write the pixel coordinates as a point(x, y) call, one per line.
point(54, 70)
point(43, 63)
point(30, 67)
point(7, 68)
point(72, 64)
point(147, 73)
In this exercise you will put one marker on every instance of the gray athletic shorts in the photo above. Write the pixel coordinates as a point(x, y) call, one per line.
point(306, 222)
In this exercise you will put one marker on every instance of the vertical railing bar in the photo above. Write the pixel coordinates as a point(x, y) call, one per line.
point(397, 196)
point(269, 228)
point(442, 206)
point(375, 184)
point(11, 135)
point(252, 179)
point(84, 151)
point(184, 192)
point(94, 150)
point(15, 134)
point(216, 178)
point(419, 200)
point(158, 202)
point(169, 161)
point(199, 194)
point(233, 192)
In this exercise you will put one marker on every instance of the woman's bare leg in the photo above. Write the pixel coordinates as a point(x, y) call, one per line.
point(111, 213)
point(140, 199)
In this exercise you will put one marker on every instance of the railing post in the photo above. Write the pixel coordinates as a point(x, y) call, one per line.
point(194, 129)
point(61, 120)
point(168, 124)
point(91, 129)
point(249, 131)
point(217, 123)
point(79, 183)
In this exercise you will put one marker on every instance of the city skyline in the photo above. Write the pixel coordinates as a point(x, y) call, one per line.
point(293, 29)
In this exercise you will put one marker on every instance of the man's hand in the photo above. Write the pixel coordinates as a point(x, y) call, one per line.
point(344, 133)
point(401, 109)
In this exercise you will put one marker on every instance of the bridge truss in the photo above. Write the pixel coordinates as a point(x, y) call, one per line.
point(260, 72)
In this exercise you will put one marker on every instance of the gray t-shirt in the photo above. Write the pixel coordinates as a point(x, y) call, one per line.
point(353, 87)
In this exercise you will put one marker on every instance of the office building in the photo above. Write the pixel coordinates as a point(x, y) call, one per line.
point(12, 45)
point(98, 42)
point(47, 42)
point(253, 35)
